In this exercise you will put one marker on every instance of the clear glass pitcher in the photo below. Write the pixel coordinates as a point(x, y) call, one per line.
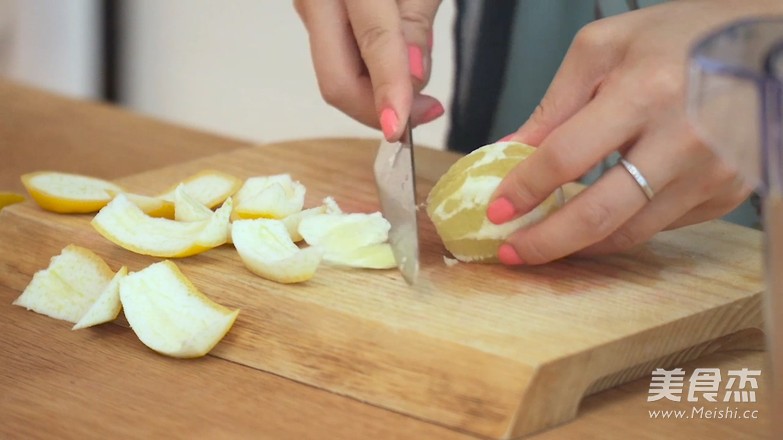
point(735, 102)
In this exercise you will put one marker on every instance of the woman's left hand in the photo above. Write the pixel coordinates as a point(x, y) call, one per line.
point(621, 87)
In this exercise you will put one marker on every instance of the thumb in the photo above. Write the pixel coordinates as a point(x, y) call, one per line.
point(417, 17)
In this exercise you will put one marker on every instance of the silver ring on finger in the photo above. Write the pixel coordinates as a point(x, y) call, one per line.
point(638, 177)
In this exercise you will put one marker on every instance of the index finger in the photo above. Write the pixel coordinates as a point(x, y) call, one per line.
point(378, 31)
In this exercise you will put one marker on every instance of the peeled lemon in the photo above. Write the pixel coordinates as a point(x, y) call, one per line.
point(458, 203)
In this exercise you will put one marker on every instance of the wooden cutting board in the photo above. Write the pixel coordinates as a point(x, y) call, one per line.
point(494, 351)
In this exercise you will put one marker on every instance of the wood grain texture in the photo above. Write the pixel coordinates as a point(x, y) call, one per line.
point(89, 138)
point(485, 349)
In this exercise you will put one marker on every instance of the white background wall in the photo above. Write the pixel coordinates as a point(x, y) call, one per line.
point(52, 44)
point(237, 67)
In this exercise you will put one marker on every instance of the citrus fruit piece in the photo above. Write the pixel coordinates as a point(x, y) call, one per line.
point(68, 193)
point(152, 206)
point(292, 221)
point(267, 250)
point(341, 232)
point(457, 204)
point(374, 256)
point(209, 187)
point(274, 197)
point(353, 240)
point(169, 314)
point(107, 306)
point(124, 224)
point(187, 208)
point(69, 286)
point(9, 198)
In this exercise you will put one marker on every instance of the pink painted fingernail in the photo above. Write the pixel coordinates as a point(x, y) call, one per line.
point(389, 122)
point(416, 62)
point(432, 113)
point(507, 137)
point(429, 40)
point(500, 211)
point(508, 255)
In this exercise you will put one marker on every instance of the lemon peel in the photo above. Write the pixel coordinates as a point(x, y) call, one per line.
point(293, 221)
point(107, 305)
point(209, 187)
point(276, 197)
point(124, 224)
point(170, 315)
point(267, 250)
point(152, 206)
point(187, 208)
point(9, 198)
point(69, 286)
point(352, 240)
point(68, 193)
point(457, 204)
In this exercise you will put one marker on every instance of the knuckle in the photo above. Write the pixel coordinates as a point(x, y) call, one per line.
point(661, 85)
point(532, 251)
point(622, 239)
point(372, 38)
point(333, 92)
point(596, 218)
point(416, 18)
point(559, 159)
point(592, 37)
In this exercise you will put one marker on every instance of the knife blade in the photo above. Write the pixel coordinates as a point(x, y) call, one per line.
point(396, 183)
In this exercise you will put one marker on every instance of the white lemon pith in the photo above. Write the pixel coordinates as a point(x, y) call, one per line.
point(267, 250)
point(457, 204)
point(352, 240)
point(170, 315)
point(69, 287)
point(275, 197)
point(68, 193)
point(123, 223)
point(107, 306)
point(209, 187)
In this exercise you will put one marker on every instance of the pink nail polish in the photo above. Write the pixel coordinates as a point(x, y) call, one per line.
point(416, 62)
point(432, 113)
point(508, 255)
point(389, 123)
point(501, 211)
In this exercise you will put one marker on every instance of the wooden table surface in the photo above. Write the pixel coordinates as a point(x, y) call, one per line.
point(56, 383)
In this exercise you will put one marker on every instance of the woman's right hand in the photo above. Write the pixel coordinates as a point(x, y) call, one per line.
point(372, 58)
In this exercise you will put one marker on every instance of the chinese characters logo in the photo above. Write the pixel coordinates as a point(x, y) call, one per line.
point(704, 383)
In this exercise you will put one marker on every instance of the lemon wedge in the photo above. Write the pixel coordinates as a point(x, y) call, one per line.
point(123, 223)
point(267, 250)
point(9, 198)
point(457, 204)
point(107, 306)
point(292, 221)
point(68, 193)
point(69, 286)
point(209, 187)
point(354, 240)
point(169, 314)
point(276, 197)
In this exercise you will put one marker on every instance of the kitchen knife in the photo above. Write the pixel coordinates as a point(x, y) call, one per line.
point(396, 182)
